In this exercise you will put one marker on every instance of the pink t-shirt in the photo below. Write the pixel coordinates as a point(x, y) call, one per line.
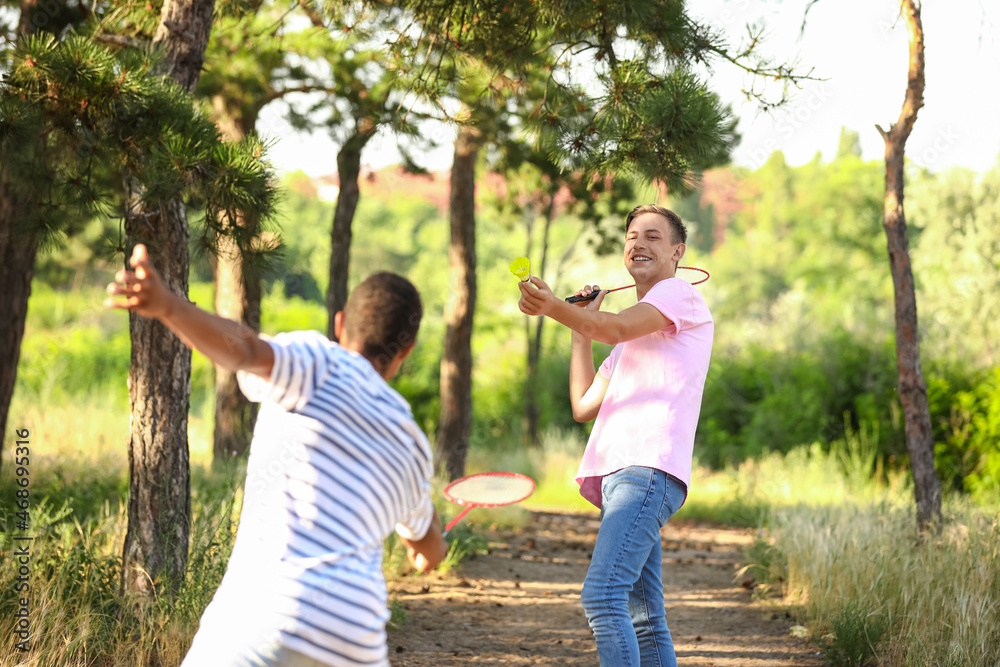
point(650, 409)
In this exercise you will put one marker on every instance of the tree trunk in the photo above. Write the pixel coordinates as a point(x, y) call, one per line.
point(17, 267)
point(455, 424)
point(185, 26)
point(535, 341)
point(237, 297)
point(348, 171)
point(159, 382)
point(912, 388)
point(159, 505)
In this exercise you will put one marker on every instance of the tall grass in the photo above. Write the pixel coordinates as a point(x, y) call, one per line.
point(839, 539)
point(876, 595)
point(78, 615)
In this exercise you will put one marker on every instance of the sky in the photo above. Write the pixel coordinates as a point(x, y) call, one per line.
point(859, 50)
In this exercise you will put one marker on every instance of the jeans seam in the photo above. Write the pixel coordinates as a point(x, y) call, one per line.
point(642, 588)
point(666, 499)
point(618, 559)
point(645, 605)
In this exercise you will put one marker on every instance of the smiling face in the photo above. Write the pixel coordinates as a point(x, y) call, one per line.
point(651, 255)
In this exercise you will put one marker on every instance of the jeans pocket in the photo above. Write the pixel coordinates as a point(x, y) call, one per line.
point(673, 496)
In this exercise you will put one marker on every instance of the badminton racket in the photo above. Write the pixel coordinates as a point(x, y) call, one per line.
point(487, 489)
point(701, 274)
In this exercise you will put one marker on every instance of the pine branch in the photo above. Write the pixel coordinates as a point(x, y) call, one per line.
point(121, 40)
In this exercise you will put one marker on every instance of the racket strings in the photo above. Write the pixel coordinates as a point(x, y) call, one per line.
point(491, 490)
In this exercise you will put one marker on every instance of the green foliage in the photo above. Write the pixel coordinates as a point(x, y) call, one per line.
point(397, 615)
point(77, 120)
point(463, 544)
point(764, 563)
point(610, 85)
point(855, 634)
point(967, 431)
point(773, 400)
point(956, 263)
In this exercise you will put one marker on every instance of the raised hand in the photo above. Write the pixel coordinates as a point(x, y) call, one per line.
point(536, 298)
point(143, 289)
point(590, 304)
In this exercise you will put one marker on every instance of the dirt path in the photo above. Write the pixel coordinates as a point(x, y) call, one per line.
point(520, 604)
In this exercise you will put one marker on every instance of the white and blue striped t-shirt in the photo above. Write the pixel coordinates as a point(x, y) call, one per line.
point(336, 464)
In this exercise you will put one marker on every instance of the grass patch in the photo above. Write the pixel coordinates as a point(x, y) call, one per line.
point(855, 632)
point(875, 594)
point(746, 494)
point(79, 616)
point(838, 540)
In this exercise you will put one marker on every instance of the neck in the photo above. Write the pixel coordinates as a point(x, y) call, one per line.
point(381, 369)
point(641, 288)
point(381, 366)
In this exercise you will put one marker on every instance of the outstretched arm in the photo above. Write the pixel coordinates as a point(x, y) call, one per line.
point(613, 328)
point(227, 343)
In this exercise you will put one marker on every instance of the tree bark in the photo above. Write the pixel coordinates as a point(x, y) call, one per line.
point(348, 171)
point(237, 297)
point(185, 26)
point(17, 267)
point(159, 506)
point(159, 382)
point(912, 388)
point(455, 424)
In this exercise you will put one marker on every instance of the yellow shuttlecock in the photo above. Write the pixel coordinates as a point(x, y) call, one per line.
point(519, 267)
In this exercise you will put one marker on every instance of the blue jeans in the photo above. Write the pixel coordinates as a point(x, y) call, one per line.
point(623, 592)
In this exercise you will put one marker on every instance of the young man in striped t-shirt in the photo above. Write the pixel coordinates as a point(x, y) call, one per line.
point(335, 465)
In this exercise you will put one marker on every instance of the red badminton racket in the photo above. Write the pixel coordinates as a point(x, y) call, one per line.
point(593, 295)
point(487, 489)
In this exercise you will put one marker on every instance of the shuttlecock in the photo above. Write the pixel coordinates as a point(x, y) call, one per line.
point(519, 267)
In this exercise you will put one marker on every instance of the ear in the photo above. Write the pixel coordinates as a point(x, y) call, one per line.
point(405, 352)
point(338, 326)
point(679, 251)
point(389, 371)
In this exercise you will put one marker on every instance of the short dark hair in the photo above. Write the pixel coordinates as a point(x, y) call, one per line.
point(679, 230)
point(382, 316)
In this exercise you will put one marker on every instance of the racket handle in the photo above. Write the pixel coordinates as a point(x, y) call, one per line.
point(457, 519)
point(583, 297)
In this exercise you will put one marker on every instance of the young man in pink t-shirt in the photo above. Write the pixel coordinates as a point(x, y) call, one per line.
point(646, 398)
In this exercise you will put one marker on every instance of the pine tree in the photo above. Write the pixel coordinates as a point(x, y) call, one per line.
point(620, 95)
point(159, 507)
point(252, 61)
point(368, 95)
point(19, 241)
point(79, 121)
